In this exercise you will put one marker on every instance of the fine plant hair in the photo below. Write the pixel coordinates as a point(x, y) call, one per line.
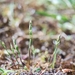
point(30, 39)
point(57, 42)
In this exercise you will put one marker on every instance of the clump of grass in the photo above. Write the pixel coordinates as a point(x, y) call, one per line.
point(14, 48)
point(4, 72)
point(55, 52)
point(30, 39)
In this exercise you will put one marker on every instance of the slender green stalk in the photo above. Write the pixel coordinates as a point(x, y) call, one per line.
point(33, 51)
point(55, 52)
point(18, 51)
point(12, 49)
point(16, 46)
point(30, 39)
point(3, 44)
point(1, 70)
point(14, 53)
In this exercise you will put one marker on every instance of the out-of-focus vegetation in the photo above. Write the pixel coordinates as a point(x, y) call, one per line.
point(35, 41)
point(62, 11)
